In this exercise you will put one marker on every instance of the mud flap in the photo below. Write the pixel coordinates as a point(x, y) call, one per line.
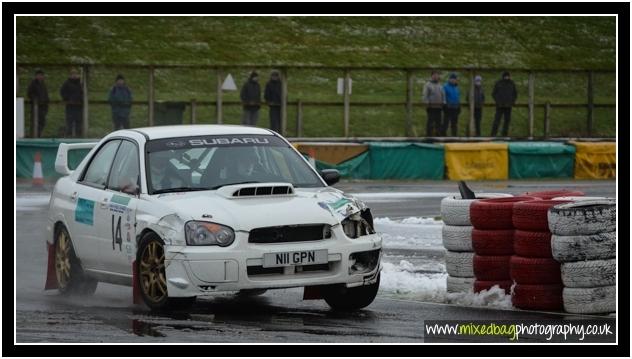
point(135, 289)
point(51, 277)
point(312, 292)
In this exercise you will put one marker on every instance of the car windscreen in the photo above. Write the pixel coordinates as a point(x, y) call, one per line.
point(210, 162)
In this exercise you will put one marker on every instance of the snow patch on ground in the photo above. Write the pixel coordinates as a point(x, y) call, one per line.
point(405, 281)
point(410, 233)
point(402, 281)
point(495, 297)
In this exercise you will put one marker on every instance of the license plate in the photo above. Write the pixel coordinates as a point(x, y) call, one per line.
point(284, 259)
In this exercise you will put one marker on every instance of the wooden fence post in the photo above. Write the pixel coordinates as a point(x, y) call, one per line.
point(531, 102)
point(84, 127)
point(35, 117)
point(151, 96)
point(219, 111)
point(299, 119)
point(472, 102)
point(345, 90)
point(283, 101)
point(410, 83)
point(590, 105)
point(193, 111)
point(547, 120)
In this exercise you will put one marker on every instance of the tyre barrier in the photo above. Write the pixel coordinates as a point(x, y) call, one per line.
point(455, 211)
point(537, 296)
point(534, 270)
point(583, 218)
point(457, 238)
point(532, 244)
point(493, 242)
point(584, 240)
point(533, 215)
point(457, 284)
point(590, 300)
point(580, 198)
point(494, 213)
point(459, 264)
point(480, 285)
point(552, 194)
point(491, 268)
point(587, 274)
point(582, 248)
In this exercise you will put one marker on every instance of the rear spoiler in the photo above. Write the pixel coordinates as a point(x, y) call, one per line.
point(61, 161)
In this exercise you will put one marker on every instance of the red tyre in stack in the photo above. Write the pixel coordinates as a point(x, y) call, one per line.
point(492, 241)
point(532, 267)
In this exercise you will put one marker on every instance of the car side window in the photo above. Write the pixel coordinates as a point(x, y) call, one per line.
point(125, 174)
point(99, 167)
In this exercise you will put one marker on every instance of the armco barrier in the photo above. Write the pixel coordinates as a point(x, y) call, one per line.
point(540, 160)
point(476, 161)
point(595, 160)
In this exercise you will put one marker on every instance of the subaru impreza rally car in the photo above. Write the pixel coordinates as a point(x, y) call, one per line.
point(179, 212)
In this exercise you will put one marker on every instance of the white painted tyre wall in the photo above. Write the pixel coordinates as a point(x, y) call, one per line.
point(456, 211)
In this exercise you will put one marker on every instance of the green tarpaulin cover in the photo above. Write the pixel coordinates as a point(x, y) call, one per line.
point(541, 160)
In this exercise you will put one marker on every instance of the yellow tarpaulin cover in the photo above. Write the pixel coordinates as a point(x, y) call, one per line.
point(595, 160)
point(476, 161)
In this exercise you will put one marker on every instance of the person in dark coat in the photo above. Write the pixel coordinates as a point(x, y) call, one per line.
point(452, 106)
point(479, 101)
point(38, 94)
point(251, 100)
point(72, 95)
point(120, 98)
point(505, 95)
point(272, 95)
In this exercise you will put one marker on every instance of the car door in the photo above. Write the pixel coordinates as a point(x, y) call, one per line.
point(89, 192)
point(117, 230)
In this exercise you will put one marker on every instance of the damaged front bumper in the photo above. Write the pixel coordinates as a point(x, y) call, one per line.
point(204, 270)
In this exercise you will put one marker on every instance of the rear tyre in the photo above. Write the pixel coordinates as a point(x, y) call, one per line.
point(71, 279)
point(341, 298)
point(152, 281)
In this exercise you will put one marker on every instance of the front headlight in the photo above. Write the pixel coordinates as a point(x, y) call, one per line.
point(356, 226)
point(208, 234)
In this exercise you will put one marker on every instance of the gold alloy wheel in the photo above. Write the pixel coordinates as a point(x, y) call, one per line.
point(152, 272)
point(62, 259)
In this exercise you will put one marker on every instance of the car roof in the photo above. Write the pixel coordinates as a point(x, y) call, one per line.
point(158, 132)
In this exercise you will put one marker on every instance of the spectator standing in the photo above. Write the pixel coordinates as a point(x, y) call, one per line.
point(505, 95)
point(120, 98)
point(479, 101)
point(38, 94)
point(433, 96)
point(272, 95)
point(71, 94)
point(251, 100)
point(452, 106)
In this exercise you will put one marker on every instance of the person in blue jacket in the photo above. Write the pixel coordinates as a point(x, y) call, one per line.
point(452, 106)
point(120, 98)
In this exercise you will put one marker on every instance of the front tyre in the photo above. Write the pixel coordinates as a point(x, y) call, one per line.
point(151, 277)
point(341, 298)
point(70, 277)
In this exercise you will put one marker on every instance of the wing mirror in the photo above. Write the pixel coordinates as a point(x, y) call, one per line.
point(330, 176)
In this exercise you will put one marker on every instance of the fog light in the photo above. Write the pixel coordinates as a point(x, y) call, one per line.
point(363, 262)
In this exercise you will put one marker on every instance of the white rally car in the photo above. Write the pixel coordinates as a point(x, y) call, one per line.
point(179, 212)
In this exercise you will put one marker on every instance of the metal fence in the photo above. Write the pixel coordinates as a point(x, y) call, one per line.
point(408, 102)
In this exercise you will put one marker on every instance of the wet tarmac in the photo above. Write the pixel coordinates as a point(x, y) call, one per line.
point(278, 316)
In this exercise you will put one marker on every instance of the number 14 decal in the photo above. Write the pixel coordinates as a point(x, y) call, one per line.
point(116, 234)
